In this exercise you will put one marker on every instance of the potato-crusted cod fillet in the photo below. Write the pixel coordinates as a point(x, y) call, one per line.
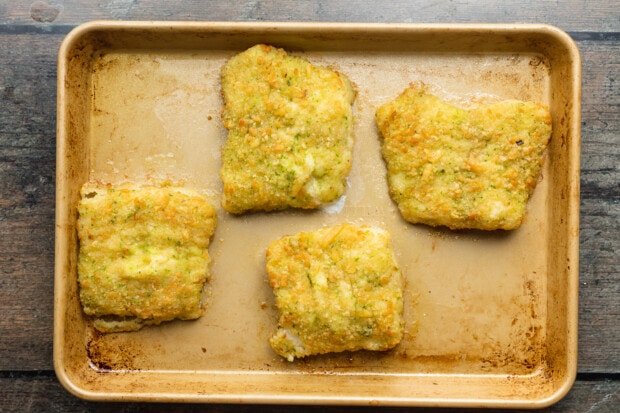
point(289, 127)
point(462, 168)
point(143, 255)
point(337, 289)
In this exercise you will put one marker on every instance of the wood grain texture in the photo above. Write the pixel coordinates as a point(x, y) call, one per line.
point(30, 34)
point(600, 209)
point(27, 168)
point(572, 15)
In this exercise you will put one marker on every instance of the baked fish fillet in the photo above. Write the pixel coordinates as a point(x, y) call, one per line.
point(290, 133)
point(462, 168)
point(143, 255)
point(337, 289)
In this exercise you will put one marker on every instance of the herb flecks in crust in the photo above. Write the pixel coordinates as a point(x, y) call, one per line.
point(143, 255)
point(289, 127)
point(462, 168)
point(337, 289)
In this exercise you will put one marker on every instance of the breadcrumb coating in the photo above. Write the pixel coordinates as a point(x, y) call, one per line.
point(462, 168)
point(143, 255)
point(337, 289)
point(290, 134)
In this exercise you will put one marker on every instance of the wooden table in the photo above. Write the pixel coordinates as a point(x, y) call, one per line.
point(30, 34)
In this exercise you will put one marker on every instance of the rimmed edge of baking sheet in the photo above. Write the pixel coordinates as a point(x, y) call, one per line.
point(542, 387)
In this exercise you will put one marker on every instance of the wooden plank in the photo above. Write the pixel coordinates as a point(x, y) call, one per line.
point(573, 15)
point(44, 393)
point(27, 168)
point(27, 121)
point(600, 209)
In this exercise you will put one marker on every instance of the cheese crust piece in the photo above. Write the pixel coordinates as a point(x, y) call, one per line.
point(462, 168)
point(143, 255)
point(290, 132)
point(337, 289)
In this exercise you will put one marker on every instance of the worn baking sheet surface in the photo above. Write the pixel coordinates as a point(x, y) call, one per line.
point(491, 316)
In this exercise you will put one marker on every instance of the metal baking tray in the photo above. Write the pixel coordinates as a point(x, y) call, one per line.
point(491, 316)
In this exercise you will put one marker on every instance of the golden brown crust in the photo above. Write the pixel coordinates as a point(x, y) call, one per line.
point(462, 168)
point(143, 255)
point(337, 288)
point(289, 132)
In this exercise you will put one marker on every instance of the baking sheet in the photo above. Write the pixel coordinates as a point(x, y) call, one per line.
point(491, 316)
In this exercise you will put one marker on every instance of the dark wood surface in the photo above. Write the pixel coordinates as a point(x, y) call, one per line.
point(30, 34)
